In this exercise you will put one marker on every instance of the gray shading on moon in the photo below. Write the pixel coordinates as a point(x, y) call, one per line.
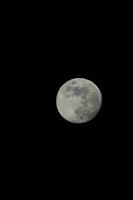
point(78, 100)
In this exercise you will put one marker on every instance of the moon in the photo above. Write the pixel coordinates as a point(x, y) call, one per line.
point(78, 100)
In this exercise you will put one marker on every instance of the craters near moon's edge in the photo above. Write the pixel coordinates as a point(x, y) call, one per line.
point(68, 88)
point(73, 82)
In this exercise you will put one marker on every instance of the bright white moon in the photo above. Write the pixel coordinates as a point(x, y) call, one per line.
point(78, 100)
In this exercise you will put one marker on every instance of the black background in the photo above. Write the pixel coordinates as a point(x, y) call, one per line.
point(80, 49)
point(46, 49)
point(67, 46)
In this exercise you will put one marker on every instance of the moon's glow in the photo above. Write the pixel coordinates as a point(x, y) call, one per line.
point(79, 100)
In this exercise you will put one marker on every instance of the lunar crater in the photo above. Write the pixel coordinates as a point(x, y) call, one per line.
point(73, 82)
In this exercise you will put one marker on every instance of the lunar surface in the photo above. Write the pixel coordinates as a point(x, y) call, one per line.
point(78, 100)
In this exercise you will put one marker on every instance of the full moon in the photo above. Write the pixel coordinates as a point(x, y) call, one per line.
point(78, 100)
